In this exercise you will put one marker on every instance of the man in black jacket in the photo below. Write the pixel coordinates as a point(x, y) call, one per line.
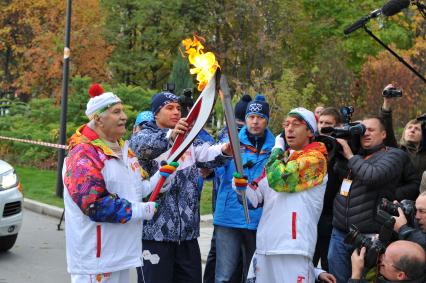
point(366, 177)
point(329, 117)
point(402, 261)
point(414, 234)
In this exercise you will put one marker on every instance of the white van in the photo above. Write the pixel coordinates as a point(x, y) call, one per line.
point(10, 206)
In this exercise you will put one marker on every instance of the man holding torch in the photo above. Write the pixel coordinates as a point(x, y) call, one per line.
point(171, 251)
point(291, 192)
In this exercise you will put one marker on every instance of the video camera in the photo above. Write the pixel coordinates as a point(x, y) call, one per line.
point(374, 246)
point(170, 87)
point(352, 132)
point(186, 102)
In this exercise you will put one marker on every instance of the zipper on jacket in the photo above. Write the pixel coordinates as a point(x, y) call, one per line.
point(347, 209)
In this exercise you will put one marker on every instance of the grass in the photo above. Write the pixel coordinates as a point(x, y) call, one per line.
point(206, 198)
point(40, 185)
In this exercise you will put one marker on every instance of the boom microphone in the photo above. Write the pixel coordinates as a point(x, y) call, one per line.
point(393, 7)
point(389, 9)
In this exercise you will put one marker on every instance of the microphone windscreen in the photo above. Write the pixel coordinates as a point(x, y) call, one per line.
point(394, 7)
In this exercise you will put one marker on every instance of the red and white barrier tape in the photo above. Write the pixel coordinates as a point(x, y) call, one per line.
point(36, 142)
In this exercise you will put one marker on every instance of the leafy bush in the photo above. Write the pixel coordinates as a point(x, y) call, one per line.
point(39, 121)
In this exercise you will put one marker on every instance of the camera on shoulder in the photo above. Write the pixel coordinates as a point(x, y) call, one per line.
point(186, 101)
point(352, 132)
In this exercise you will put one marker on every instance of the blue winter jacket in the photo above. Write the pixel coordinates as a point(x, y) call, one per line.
point(229, 211)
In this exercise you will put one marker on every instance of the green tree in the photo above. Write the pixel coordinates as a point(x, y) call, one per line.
point(145, 35)
point(180, 75)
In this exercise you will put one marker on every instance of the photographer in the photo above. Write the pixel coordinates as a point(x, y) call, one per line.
point(414, 234)
point(374, 172)
point(411, 140)
point(403, 261)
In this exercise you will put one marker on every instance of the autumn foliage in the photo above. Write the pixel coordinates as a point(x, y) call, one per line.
point(35, 33)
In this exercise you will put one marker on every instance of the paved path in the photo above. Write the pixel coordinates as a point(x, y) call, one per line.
point(39, 253)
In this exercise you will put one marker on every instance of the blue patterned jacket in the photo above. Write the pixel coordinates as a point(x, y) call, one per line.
point(178, 216)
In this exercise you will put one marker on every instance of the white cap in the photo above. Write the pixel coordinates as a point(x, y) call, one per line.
point(100, 100)
point(306, 116)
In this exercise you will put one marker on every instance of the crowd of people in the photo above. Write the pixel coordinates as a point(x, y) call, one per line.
point(319, 203)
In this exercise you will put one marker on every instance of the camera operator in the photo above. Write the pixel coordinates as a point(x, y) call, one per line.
point(415, 234)
point(328, 117)
point(373, 172)
point(186, 101)
point(403, 261)
point(411, 140)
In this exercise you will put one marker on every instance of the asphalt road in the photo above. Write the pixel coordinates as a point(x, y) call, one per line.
point(38, 254)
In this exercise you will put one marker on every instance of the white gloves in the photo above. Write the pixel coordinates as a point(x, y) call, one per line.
point(143, 210)
point(279, 142)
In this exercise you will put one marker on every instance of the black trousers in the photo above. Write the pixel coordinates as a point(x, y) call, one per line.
point(179, 262)
point(323, 241)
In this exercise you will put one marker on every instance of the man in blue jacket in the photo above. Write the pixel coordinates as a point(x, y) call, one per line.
point(209, 271)
point(232, 231)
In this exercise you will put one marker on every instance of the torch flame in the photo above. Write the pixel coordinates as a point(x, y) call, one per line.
point(205, 64)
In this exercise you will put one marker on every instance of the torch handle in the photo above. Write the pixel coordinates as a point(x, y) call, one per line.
point(245, 206)
point(225, 96)
point(157, 189)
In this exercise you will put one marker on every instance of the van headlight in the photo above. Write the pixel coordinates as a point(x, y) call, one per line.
point(8, 180)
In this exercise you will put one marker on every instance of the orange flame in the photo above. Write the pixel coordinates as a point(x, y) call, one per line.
point(205, 64)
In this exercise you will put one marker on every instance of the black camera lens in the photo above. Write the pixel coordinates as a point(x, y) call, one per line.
point(392, 92)
point(407, 206)
point(374, 248)
point(356, 239)
point(389, 207)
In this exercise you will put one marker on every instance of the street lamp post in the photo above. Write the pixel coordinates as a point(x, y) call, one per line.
point(64, 101)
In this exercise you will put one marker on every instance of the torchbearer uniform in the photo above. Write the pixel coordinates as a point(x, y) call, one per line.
point(171, 250)
point(103, 189)
point(292, 192)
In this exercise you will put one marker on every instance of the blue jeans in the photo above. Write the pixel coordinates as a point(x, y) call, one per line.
point(339, 257)
point(230, 243)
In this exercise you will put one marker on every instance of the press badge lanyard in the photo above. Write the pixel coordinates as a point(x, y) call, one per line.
point(347, 182)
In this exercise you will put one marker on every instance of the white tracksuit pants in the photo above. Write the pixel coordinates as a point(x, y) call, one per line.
point(122, 276)
point(281, 269)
